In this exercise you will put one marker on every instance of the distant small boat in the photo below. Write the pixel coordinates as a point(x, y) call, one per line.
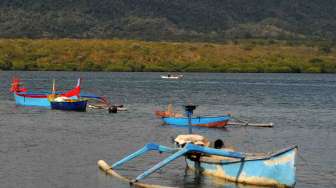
point(23, 97)
point(172, 118)
point(78, 105)
point(205, 121)
point(173, 77)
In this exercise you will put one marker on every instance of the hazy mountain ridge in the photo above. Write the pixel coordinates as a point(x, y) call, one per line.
point(169, 19)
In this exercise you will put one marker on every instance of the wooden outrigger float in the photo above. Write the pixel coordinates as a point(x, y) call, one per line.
point(269, 169)
point(110, 169)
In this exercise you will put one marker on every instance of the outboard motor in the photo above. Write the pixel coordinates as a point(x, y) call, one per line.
point(113, 109)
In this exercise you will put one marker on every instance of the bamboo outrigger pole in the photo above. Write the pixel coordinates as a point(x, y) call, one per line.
point(246, 123)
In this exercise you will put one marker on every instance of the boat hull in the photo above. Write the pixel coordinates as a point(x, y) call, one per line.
point(41, 99)
point(172, 77)
point(275, 170)
point(79, 106)
point(213, 122)
point(32, 99)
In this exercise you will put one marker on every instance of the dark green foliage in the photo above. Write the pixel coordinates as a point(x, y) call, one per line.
point(198, 20)
point(326, 49)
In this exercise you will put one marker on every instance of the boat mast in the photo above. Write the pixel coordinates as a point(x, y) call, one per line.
point(53, 87)
point(189, 109)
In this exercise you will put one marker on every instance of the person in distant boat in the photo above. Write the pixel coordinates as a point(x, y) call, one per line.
point(170, 109)
point(168, 113)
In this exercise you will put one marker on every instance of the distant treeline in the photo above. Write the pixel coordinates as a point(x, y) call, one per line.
point(247, 56)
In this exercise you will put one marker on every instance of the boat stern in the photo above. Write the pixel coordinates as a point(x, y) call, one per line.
point(23, 99)
point(283, 167)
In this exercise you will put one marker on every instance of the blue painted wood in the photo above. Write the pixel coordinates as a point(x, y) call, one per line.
point(273, 170)
point(188, 149)
point(183, 121)
point(32, 99)
point(77, 105)
point(161, 164)
point(148, 147)
point(211, 151)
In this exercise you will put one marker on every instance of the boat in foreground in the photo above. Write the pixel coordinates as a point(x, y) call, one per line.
point(268, 169)
point(205, 121)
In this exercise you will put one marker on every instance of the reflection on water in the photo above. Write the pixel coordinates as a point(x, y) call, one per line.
point(46, 148)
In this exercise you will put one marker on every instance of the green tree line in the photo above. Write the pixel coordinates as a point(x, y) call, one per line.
point(245, 56)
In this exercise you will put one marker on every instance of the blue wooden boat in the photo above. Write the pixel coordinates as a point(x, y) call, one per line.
point(216, 121)
point(24, 98)
point(273, 169)
point(78, 105)
point(277, 169)
point(41, 99)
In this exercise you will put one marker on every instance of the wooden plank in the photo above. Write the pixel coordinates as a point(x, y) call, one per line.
point(268, 125)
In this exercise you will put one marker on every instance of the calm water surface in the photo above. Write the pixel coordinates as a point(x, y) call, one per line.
point(45, 148)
